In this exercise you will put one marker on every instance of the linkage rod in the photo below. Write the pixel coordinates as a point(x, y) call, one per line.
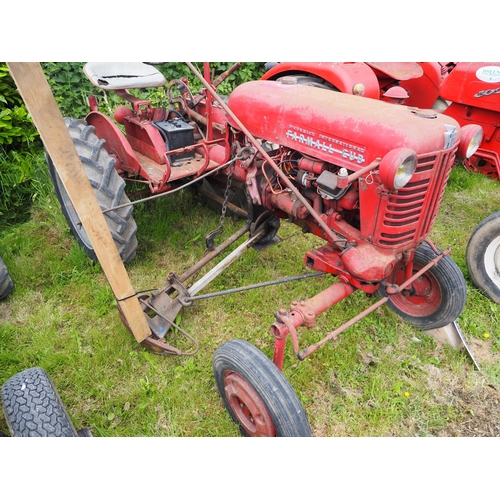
point(258, 285)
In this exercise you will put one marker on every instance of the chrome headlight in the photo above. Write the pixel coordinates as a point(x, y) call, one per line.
point(472, 136)
point(398, 167)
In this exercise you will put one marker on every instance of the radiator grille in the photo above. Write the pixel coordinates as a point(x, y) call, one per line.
point(410, 213)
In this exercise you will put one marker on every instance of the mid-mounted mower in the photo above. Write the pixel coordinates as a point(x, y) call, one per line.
point(364, 176)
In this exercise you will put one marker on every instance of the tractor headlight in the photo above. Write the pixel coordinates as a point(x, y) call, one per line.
point(398, 167)
point(472, 135)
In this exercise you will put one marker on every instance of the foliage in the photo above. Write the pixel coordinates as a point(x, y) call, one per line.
point(16, 128)
point(19, 146)
point(71, 87)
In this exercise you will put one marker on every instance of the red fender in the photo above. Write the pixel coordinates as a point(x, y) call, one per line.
point(424, 91)
point(116, 144)
point(343, 76)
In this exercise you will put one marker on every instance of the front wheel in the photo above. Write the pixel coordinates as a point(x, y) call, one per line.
point(256, 394)
point(483, 256)
point(6, 284)
point(434, 300)
point(108, 187)
point(33, 408)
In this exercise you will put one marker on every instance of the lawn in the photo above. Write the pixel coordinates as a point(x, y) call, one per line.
point(382, 377)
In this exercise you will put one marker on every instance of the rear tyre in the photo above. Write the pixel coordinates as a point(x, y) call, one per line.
point(436, 299)
point(236, 196)
point(256, 394)
point(108, 187)
point(33, 408)
point(483, 256)
point(6, 284)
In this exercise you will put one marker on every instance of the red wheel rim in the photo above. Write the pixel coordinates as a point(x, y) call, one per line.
point(478, 165)
point(248, 406)
point(424, 296)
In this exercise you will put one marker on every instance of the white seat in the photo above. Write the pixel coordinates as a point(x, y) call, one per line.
point(123, 75)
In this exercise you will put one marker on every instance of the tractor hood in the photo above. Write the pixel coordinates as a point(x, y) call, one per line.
point(338, 128)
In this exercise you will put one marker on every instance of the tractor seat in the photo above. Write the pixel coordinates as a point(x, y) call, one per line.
point(123, 75)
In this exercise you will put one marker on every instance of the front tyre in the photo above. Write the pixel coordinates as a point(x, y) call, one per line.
point(6, 284)
point(483, 256)
point(256, 394)
point(108, 187)
point(434, 300)
point(33, 408)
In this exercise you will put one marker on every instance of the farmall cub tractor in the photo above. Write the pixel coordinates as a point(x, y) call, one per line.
point(364, 176)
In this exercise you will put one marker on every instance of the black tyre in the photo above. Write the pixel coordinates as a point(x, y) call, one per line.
point(483, 256)
point(6, 284)
point(436, 299)
point(256, 394)
point(109, 189)
point(236, 196)
point(33, 408)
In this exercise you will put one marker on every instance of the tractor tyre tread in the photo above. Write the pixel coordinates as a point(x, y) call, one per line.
point(485, 234)
point(33, 408)
point(108, 187)
point(6, 284)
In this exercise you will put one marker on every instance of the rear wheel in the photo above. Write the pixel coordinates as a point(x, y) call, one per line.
point(33, 408)
point(436, 298)
point(483, 256)
point(256, 394)
point(6, 284)
point(108, 187)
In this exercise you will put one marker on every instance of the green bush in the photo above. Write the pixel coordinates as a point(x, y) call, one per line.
point(16, 128)
point(71, 87)
point(20, 146)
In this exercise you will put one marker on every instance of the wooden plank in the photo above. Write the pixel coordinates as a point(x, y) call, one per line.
point(39, 100)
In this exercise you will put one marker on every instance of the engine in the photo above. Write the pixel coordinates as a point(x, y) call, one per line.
point(374, 172)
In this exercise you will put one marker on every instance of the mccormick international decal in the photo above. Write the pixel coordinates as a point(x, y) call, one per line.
point(330, 145)
point(489, 74)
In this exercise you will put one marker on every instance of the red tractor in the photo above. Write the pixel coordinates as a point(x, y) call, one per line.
point(468, 92)
point(364, 176)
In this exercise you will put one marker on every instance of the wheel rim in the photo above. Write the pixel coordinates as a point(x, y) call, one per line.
point(422, 299)
point(480, 165)
point(492, 261)
point(247, 406)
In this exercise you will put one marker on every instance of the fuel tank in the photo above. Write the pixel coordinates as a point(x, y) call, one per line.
point(338, 128)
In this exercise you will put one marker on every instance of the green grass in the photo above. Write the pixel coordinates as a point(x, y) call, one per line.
point(382, 377)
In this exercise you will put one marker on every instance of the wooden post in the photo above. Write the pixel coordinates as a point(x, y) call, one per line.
point(39, 100)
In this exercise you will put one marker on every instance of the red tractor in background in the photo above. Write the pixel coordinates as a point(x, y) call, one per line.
point(364, 176)
point(469, 92)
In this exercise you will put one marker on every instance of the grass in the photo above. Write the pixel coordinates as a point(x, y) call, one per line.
point(382, 377)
